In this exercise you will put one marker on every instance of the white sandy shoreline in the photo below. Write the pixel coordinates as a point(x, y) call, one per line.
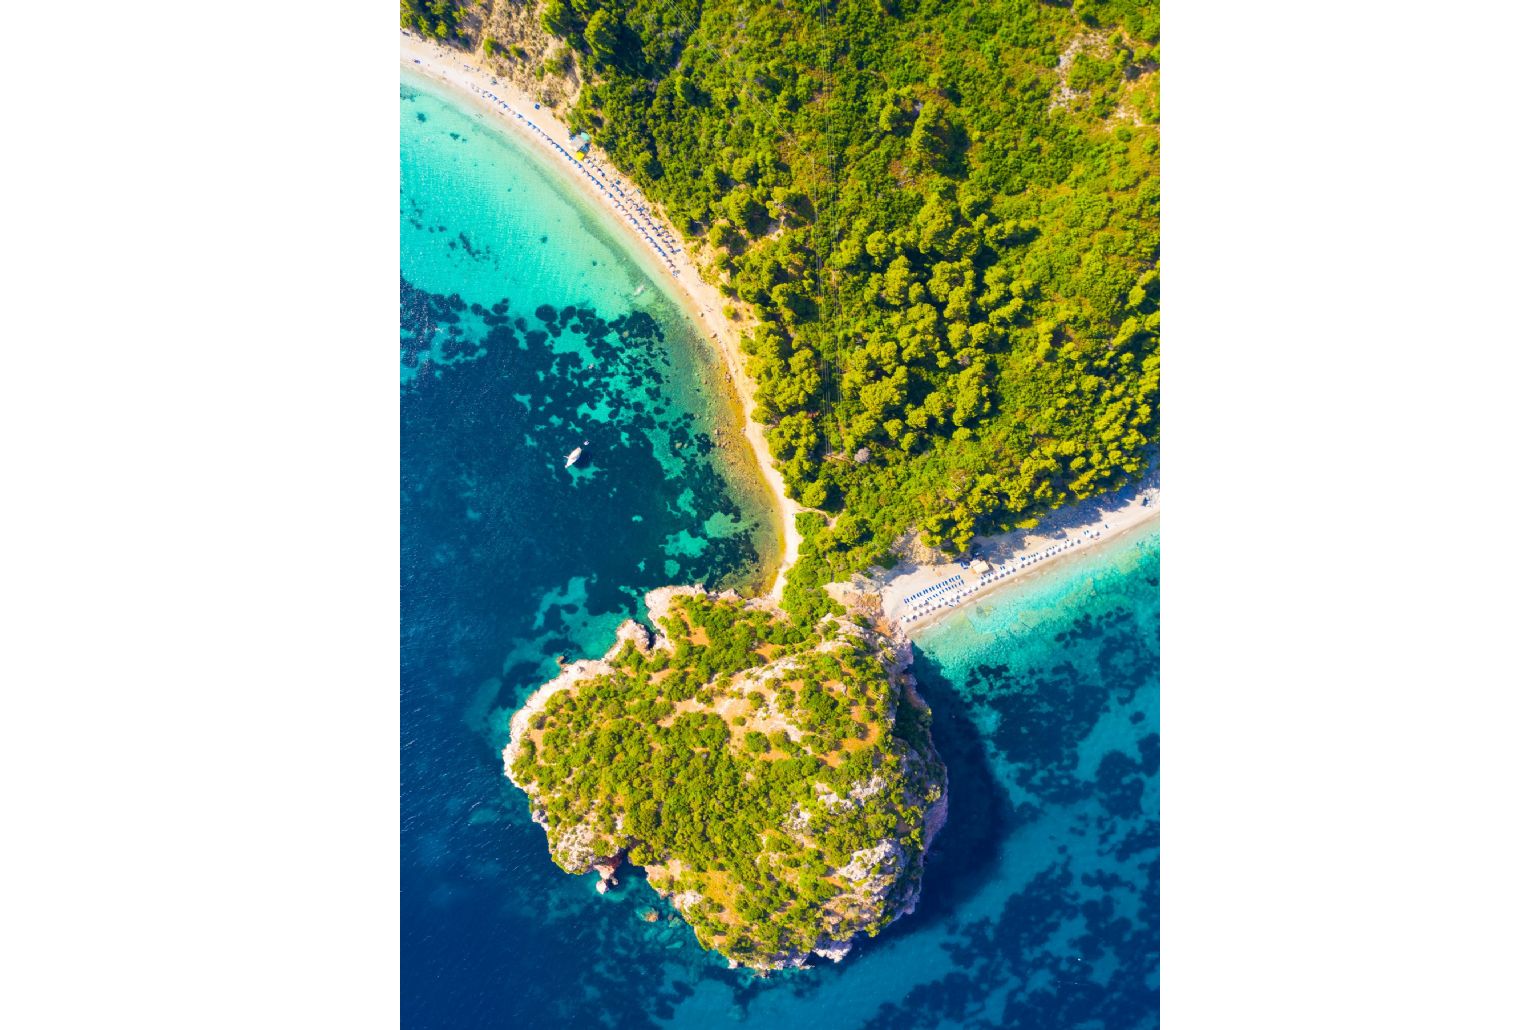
point(914, 596)
point(516, 113)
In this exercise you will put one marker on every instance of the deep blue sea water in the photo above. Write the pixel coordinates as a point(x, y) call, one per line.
point(1040, 905)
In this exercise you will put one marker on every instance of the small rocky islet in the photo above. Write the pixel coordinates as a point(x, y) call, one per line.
point(776, 782)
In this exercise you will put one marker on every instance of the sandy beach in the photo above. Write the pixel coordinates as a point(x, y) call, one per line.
point(914, 596)
point(536, 127)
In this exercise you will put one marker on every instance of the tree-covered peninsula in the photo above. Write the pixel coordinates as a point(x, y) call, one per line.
point(777, 782)
point(936, 225)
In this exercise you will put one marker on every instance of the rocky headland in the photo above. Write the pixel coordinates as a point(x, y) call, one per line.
point(777, 785)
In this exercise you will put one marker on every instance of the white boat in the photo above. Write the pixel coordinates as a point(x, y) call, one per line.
point(572, 459)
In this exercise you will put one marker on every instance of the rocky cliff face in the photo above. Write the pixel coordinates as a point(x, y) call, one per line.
point(875, 883)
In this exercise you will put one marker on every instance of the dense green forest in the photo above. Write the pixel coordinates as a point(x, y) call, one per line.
point(731, 766)
point(436, 19)
point(942, 222)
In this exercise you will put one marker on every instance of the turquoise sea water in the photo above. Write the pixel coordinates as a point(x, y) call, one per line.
point(1040, 904)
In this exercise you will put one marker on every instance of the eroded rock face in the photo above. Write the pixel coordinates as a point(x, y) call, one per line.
point(784, 711)
point(834, 951)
